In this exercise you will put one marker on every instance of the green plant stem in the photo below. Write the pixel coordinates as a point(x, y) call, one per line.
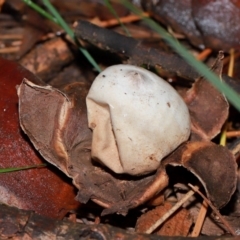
point(231, 95)
point(6, 170)
point(60, 21)
point(40, 10)
point(111, 9)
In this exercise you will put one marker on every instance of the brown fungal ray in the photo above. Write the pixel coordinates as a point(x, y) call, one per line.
point(212, 164)
point(207, 106)
point(56, 122)
point(53, 121)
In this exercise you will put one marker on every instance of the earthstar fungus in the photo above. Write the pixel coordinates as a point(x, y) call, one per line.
point(125, 98)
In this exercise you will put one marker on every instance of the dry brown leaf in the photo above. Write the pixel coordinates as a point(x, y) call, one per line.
point(178, 15)
point(177, 225)
point(206, 23)
point(48, 58)
point(218, 22)
point(89, 9)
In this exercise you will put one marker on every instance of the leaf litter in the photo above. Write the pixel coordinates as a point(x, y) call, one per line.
point(60, 133)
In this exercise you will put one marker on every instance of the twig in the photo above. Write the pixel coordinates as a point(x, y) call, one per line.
point(133, 49)
point(170, 212)
point(113, 22)
point(9, 49)
point(231, 63)
point(11, 36)
point(200, 220)
point(226, 224)
point(139, 54)
point(227, 58)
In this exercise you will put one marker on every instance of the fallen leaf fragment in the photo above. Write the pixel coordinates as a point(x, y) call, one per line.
point(47, 58)
point(177, 225)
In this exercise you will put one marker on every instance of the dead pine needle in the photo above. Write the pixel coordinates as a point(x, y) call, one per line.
point(170, 212)
point(9, 50)
point(10, 36)
point(226, 59)
point(113, 22)
point(231, 63)
point(225, 223)
point(231, 134)
point(204, 54)
point(200, 220)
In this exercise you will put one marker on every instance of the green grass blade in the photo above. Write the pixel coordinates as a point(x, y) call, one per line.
point(60, 21)
point(40, 10)
point(7, 170)
point(231, 95)
point(111, 9)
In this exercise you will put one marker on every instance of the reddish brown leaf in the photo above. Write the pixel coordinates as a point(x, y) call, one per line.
point(44, 190)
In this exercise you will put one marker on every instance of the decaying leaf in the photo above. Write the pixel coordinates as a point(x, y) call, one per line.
point(177, 225)
point(35, 26)
point(217, 21)
point(48, 58)
point(178, 15)
point(90, 9)
point(204, 22)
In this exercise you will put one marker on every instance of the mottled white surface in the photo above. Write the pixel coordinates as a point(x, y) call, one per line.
point(137, 118)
